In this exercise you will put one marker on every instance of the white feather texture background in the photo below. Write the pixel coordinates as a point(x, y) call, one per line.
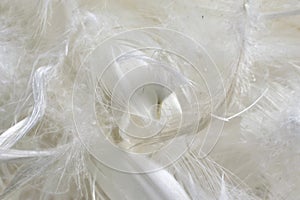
point(128, 99)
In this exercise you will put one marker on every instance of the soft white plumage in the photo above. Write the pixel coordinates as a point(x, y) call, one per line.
point(149, 99)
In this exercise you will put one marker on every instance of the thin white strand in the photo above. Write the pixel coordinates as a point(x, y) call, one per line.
point(244, 110)
point(10, 137)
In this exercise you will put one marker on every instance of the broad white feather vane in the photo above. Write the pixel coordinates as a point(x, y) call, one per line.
point(135, 100)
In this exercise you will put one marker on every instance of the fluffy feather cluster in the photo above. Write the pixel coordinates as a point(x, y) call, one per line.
point(149, 99)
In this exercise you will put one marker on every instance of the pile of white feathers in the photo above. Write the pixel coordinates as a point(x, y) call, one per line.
point(157, 99)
